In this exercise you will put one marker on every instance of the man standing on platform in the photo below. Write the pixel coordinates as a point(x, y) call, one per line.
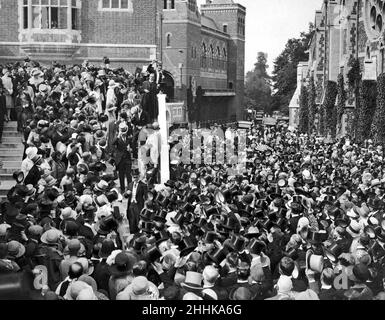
point(123, 161)
point(137, 191)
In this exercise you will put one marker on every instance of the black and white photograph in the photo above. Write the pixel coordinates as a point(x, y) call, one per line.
point(192, 155)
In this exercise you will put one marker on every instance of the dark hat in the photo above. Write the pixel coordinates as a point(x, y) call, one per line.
point(316, 237)
point(256, 246)
point(187, 207)
point(139, 244)
point(187, 245)
point(210, 210)
point(106, 249)
point(229, 223)
point(18, 176)
point(123, 264)
point(160, 216)
point(105, 225)
point(333, 251)
point(153, 254)
point(146, 214)
point(238, 243)
point(170, 184)
point(209, 237)
point(178, 218)
point(217, 255)
point(146, 226)
point(342, 220)
point(199, 222)
point(161, 236)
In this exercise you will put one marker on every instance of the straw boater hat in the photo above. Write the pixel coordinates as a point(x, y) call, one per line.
point(139, 289)
point(193, 281)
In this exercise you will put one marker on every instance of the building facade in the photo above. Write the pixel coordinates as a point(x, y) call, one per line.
point(202, 50)
point(346, 30)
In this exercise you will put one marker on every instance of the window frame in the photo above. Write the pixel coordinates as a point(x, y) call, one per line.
point(170, 5)
point(130, 8)
point(28, 8)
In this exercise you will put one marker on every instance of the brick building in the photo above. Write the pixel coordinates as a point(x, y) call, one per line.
point(199, 48)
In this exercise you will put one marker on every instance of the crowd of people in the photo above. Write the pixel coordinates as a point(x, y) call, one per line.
point(304, 221)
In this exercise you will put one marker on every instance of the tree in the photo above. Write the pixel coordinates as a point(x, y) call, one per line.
point(285, 69)
point(341, 100)
point(329, 109)
point(368, 96)
point(303, 124)
point(312, 106)
point(378, 128)
point(258, 85)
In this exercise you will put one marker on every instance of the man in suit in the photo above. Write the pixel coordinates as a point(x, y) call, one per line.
point(123, 161)
point(34, 174)
point(138, 192)
point(140, 119)
point(149, 99)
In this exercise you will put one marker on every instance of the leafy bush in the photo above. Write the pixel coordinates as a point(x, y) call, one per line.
point(312, 106)
point(367, 108)
point(341, 100)
point(303, 111)
point(378, 124)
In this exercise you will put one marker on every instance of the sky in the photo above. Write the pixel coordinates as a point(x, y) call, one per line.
point(270, 23)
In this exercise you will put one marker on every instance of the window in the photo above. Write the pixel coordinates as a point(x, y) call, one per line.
point(50, 14)
point(224, 54)
point(211, 60)
point(219, 60)
point(374, 18)
point(75, 19)
point(168, 4)
point(168, 40)
point(117, 5)
point(204, 56)
point(225, 28)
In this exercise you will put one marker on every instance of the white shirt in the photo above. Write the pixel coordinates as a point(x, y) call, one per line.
point(134, 189)
point(26, 165)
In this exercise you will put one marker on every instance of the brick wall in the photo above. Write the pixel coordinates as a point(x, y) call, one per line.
point(9, 23)
point(138, 27)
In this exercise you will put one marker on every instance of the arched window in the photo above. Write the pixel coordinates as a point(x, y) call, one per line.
point(204, 56)
point(168, 40)
point(224, 54)
point(212, 53)
point(219, 60)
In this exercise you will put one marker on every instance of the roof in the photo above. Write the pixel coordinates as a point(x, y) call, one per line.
point(222, 2)
point(208, 22)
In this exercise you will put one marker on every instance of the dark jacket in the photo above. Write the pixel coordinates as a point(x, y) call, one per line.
point(121, 153)
point(141, 193)
point(141, 121)
point(102, 275)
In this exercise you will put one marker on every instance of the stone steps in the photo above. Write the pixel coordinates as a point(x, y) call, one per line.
point(11, 154)
point(5, 186)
